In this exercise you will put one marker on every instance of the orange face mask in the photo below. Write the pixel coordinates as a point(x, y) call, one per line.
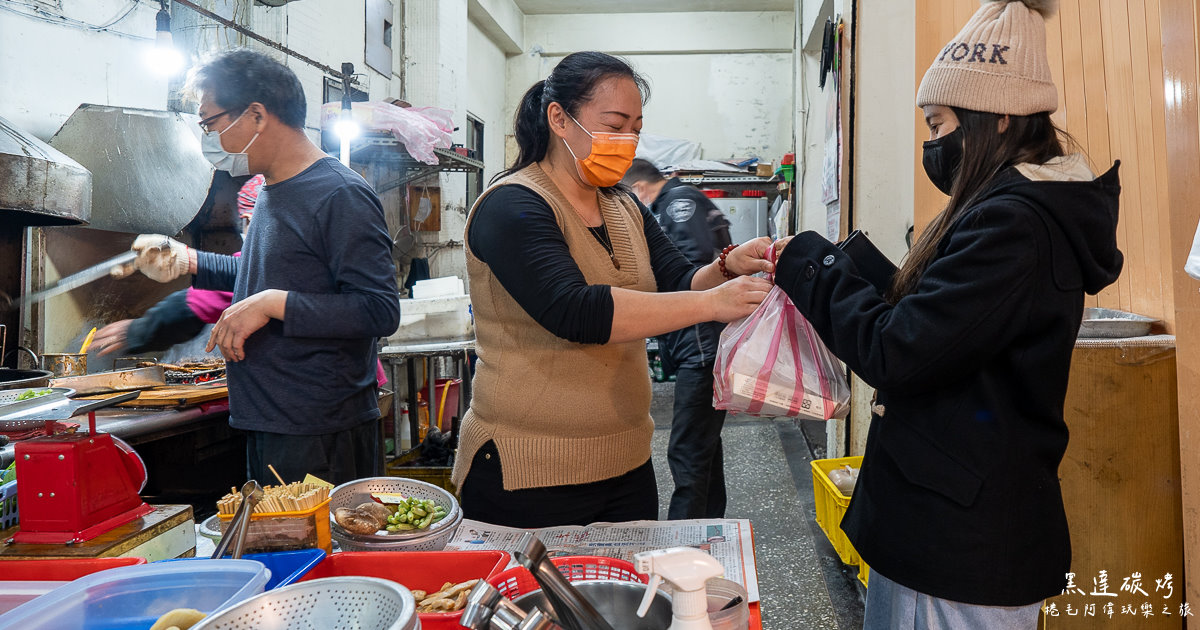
point(611, 155)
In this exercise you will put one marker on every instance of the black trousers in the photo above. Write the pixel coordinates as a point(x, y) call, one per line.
point(694, 452)
point(632, 496)
point(335, 457)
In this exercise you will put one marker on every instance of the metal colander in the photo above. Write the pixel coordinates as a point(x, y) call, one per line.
point(348, 602)
point(353, 493)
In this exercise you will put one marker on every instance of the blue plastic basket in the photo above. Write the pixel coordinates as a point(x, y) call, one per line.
point(8, 505)
point(286, 566)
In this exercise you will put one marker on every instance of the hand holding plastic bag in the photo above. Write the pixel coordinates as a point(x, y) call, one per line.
point(772, 363)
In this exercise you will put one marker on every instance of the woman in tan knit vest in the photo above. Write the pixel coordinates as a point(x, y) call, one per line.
point(568, 276)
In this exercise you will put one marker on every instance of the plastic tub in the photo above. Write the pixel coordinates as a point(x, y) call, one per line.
point(133, 598)
point(24, 580)
point(286, 567)
point(434, 319)
point(831, 505)
point(287, 531)
point(419, 570)
point(720, 591)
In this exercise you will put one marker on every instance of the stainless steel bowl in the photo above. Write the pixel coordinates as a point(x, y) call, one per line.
point(616, 601)
point(353, 493)
point(23, 379)
point(337, 602)
point(1107, 323)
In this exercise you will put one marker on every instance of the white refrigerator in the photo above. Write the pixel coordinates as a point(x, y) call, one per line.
point(747, 217)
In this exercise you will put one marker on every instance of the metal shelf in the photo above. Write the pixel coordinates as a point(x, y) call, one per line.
point(386, 148)
point(700, 179)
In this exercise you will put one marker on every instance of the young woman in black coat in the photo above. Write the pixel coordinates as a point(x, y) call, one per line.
point(958, 508)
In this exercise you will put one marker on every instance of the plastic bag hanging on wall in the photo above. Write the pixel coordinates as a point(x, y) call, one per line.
point(424, 206)
point(1192, 266)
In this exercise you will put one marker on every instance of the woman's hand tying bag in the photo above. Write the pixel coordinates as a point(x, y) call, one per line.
point(737, 298)
point(780, 244)
point(750, 257)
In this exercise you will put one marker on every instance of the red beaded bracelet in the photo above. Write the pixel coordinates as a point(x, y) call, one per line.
point(725, 271)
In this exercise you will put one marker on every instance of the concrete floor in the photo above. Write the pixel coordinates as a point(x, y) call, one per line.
point(802, 582)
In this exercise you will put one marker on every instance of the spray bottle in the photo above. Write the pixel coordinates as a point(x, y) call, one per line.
point(687, 569)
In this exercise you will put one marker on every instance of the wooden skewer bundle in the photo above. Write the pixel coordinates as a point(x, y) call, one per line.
point(293, 497)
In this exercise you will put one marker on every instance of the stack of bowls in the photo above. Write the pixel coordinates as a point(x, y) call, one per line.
point(354, 493)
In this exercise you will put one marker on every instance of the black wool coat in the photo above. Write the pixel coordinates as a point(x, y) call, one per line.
point(959, 494)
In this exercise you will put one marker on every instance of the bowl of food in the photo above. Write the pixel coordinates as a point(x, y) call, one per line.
point(392, 513)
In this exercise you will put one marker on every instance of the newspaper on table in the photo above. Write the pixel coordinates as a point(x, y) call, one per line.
point(727, 540)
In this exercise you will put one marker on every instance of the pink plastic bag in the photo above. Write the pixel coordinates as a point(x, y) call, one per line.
point(773, 364)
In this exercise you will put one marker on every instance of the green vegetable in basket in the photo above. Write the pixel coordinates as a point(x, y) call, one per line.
point(10, 473)
point(34, 393)
point(413, 514)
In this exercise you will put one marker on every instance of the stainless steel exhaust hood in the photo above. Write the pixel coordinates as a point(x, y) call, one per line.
point(149, 175)
point(39, 185)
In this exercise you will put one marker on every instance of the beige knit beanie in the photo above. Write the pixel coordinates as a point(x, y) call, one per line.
point(997, 62)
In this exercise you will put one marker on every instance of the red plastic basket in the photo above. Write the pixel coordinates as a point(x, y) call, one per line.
point(518, 581)
point(60, 570)
point(416, 570)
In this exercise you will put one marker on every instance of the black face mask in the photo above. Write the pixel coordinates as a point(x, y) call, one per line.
point(941, 159)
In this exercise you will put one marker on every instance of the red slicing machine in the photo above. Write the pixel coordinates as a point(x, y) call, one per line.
point(74, 487)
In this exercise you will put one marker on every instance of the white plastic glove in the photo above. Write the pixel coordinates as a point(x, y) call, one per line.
point(161, 258)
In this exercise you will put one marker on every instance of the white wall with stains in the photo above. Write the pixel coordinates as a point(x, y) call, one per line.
point(723, 79)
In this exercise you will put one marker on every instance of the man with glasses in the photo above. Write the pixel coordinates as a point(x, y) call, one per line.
point(313, 290)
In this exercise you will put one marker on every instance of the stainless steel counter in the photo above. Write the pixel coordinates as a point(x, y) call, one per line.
point(132, 424)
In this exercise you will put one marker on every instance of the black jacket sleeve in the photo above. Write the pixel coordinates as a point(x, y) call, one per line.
point(684, 217)
point(167, 323)
point(960, 315)
point(672, 269)
point(215, 272)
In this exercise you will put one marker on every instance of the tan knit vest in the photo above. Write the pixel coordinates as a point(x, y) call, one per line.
point(559, 412)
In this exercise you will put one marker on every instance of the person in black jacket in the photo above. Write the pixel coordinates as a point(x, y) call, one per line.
point(958, 508)
point(694, 452)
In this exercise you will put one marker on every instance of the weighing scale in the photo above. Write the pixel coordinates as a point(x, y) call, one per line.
point(73, 486)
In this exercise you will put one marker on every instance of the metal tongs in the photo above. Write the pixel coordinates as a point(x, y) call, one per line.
point(487, 609)
point(570, 609)
point(252, 493)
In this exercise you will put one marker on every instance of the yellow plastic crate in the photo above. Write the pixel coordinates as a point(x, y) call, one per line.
point(831, 506)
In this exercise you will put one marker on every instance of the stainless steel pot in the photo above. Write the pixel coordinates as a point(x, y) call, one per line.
point(616, 601)
point(21, 379)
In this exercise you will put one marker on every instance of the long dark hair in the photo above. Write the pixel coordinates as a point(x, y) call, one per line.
point(986, 152)
point(571, 84)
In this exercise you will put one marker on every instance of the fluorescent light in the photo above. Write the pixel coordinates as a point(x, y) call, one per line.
point(164, 58)
point(346, 128)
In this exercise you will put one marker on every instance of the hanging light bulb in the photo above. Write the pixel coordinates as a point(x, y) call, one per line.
point(164, 58)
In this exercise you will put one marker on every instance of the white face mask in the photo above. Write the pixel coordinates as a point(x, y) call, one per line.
point(238, 164)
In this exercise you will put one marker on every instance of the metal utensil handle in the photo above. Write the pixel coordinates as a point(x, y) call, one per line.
point(571, 609)
point(230, 532)
point(242, 514)
point(239, 543)
point(74, 281)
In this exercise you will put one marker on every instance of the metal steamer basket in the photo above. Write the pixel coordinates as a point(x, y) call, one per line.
point(353, 493)
point(336, 602)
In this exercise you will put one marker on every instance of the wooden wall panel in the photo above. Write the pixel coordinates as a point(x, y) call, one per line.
point(1106, 58)
point(1180, 28)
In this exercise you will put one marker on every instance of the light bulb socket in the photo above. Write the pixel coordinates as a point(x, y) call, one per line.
point(162, 21)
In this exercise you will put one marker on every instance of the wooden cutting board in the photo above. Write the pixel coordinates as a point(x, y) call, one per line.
point(174, 396)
